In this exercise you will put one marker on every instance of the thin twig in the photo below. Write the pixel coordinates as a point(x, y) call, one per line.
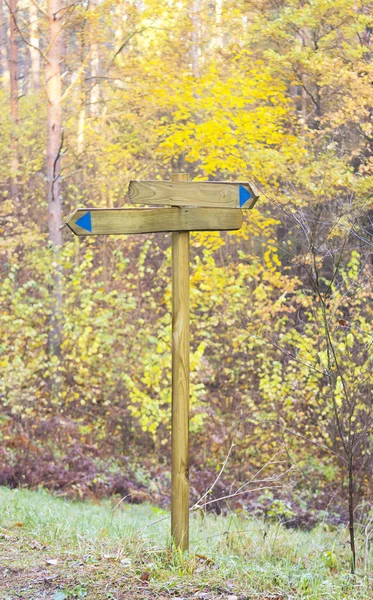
point(217, 478)
point(273, 487)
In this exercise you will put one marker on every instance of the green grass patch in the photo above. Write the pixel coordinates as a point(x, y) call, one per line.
point(58, 549)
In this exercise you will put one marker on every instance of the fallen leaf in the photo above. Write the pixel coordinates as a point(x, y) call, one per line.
point(18, 524)
point(145, 576)
point(205, 559)
point(34, 545)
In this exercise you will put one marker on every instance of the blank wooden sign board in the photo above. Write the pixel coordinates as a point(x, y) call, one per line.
point(190, 206)
point(193, 193)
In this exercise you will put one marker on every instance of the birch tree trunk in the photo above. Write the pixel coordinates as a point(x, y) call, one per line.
point(13, 69)
point(118, 33)
point(80, 140)
point(54, 148)
point(54, 141)
point(34, 47)
point(195, 37)
point(218, 21)
point(3, 48)
point(95, 86)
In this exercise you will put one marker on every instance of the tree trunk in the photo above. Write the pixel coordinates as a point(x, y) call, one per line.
point(351, 512)
point(80, 142)
point(34, 47)
point(95, 86)
point(218, 21)
point(118, 33)
point(13, 69)
point(54, 148)
point(54, 142)
point(195, 37)
point(3, 48)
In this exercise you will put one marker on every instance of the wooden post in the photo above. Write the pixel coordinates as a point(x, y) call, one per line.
point(180, 386)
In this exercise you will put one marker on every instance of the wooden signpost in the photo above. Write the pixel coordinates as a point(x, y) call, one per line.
point(192, 206)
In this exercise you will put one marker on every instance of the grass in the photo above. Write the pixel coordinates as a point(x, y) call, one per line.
point(58, 549)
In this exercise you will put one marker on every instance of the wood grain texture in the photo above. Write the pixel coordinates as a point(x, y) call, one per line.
point(115, 221)
point(180, 388)
point(192, 193)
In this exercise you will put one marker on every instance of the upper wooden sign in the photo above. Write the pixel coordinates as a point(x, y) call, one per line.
point(193, 193)
point(111, 221)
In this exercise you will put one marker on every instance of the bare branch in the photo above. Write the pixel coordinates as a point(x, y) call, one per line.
point(217, 478)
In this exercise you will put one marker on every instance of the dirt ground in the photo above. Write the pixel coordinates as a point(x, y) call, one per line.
point(31, 577)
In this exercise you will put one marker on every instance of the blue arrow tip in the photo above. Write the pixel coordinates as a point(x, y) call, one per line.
point(85, 222)
point(245, 195)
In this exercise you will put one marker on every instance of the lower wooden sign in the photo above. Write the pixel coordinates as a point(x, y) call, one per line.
point(116, 221)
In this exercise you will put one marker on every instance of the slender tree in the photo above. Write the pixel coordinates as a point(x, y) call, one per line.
point(54, 149)
point(95, 87)
point(34, 46)
point(13, 70)
point(218, 22)
point(3, 48)
point(195, 18)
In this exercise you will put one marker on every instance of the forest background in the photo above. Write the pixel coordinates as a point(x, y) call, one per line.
point(94, 94)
